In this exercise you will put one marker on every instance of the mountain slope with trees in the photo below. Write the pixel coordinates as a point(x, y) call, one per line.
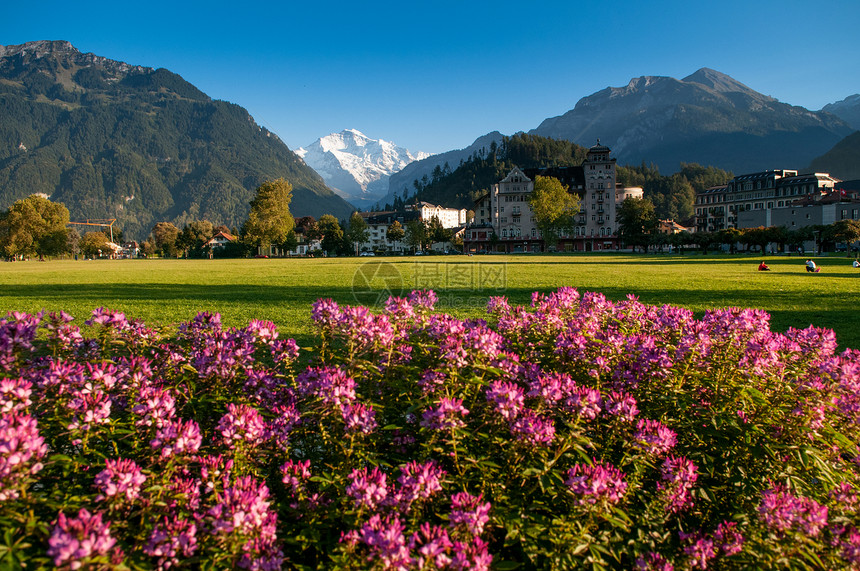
point(673, 195)
point(707, 117)
point(112, 140)
point(842, 161)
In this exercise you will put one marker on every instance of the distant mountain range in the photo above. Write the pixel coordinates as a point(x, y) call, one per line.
point(403, 180)
point(356, 166)
point(114, 140)
point(707, 118)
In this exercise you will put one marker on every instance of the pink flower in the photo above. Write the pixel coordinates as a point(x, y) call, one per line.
point(15, 395)
point(596, 483)
point(418, 482)
point(154, 407)
point(177, 438)
point(508, 397)
point(678, 477)
point(653, 562)
point(653, 437)
point(532, 428)
point(432, 545)
point(728, 539)
point(368, 489)
point(359, 418)
point(171, 542)
point(120, 477)
point(242, 426)
point(621, 405)
point(90, 409)
point(21, 448)
point(77, 541)
point(469, 512)
point(295, 474)
point(782, 511)
point(447, 415)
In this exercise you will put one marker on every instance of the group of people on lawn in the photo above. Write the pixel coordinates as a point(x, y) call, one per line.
point(810, 266)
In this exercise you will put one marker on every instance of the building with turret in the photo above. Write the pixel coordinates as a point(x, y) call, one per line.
point(504, 221)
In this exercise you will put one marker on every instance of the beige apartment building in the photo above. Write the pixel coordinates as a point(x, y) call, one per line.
point(504, 222)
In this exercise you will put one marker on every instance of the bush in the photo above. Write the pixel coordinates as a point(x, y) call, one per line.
point(574, 433)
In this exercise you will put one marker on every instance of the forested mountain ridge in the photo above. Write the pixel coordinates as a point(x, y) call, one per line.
point(843, 160)
point(707, 117)
point(673, 195)
point(113, 140)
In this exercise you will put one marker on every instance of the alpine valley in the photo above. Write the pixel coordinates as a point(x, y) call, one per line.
point(142, 145)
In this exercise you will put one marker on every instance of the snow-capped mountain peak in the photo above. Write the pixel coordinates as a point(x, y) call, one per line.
point(356, 166)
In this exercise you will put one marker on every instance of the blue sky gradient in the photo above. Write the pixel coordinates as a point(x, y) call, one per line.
point(434, 76)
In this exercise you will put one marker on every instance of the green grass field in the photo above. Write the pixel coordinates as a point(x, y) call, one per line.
point(282, 290)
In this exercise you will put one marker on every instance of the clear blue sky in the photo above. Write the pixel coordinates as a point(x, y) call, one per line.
point(433, 76)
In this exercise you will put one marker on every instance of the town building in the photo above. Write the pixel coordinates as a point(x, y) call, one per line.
point(504, 221)
point(767, 199)
point(378, 223)
point(220, 240)
point(449, 217)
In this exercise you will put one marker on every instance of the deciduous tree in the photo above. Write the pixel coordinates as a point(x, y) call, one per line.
point(94, 244)
point(164, 236)
point(357, 231)
point(416, 234)
point(270, 220)
point(553, 207)
point(396, 233)
point(193, 236)
point(330, 233)
point(636, 222)
point(34, 225)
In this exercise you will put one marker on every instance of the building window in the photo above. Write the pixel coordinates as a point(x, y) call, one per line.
point(505, 233)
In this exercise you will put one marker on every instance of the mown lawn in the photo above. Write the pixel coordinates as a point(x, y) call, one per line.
point(170, 291)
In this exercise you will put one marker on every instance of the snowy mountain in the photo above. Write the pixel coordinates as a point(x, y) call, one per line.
point(356, 166)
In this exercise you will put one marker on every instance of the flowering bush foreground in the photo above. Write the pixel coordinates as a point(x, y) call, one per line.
point(574, 433)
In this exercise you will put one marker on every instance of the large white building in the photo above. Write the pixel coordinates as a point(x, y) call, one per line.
point(449, 217)
point(379, 222)
point(504, 222)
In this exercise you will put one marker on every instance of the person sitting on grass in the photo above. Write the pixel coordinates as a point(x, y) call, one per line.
point(762, 267)
point(810, 267)
point(856, 264)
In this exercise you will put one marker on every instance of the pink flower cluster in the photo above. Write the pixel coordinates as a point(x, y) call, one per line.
point(80, 541)
point(596, 484)
point(677, 475)
point(782, 511)
point(120, 480)
point(21, 449)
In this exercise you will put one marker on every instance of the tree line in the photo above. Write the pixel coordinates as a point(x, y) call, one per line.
point(36, 226)
point(639, 227)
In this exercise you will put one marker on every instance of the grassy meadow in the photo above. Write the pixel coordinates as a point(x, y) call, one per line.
point(282, 290)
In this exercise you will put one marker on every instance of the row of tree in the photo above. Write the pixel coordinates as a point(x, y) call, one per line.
point(639, 226)
point(37, 226)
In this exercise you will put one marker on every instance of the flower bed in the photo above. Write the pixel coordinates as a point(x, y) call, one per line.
point(577, 432)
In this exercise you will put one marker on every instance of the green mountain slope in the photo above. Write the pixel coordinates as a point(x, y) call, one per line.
point(843, 160)
point(111, 140)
